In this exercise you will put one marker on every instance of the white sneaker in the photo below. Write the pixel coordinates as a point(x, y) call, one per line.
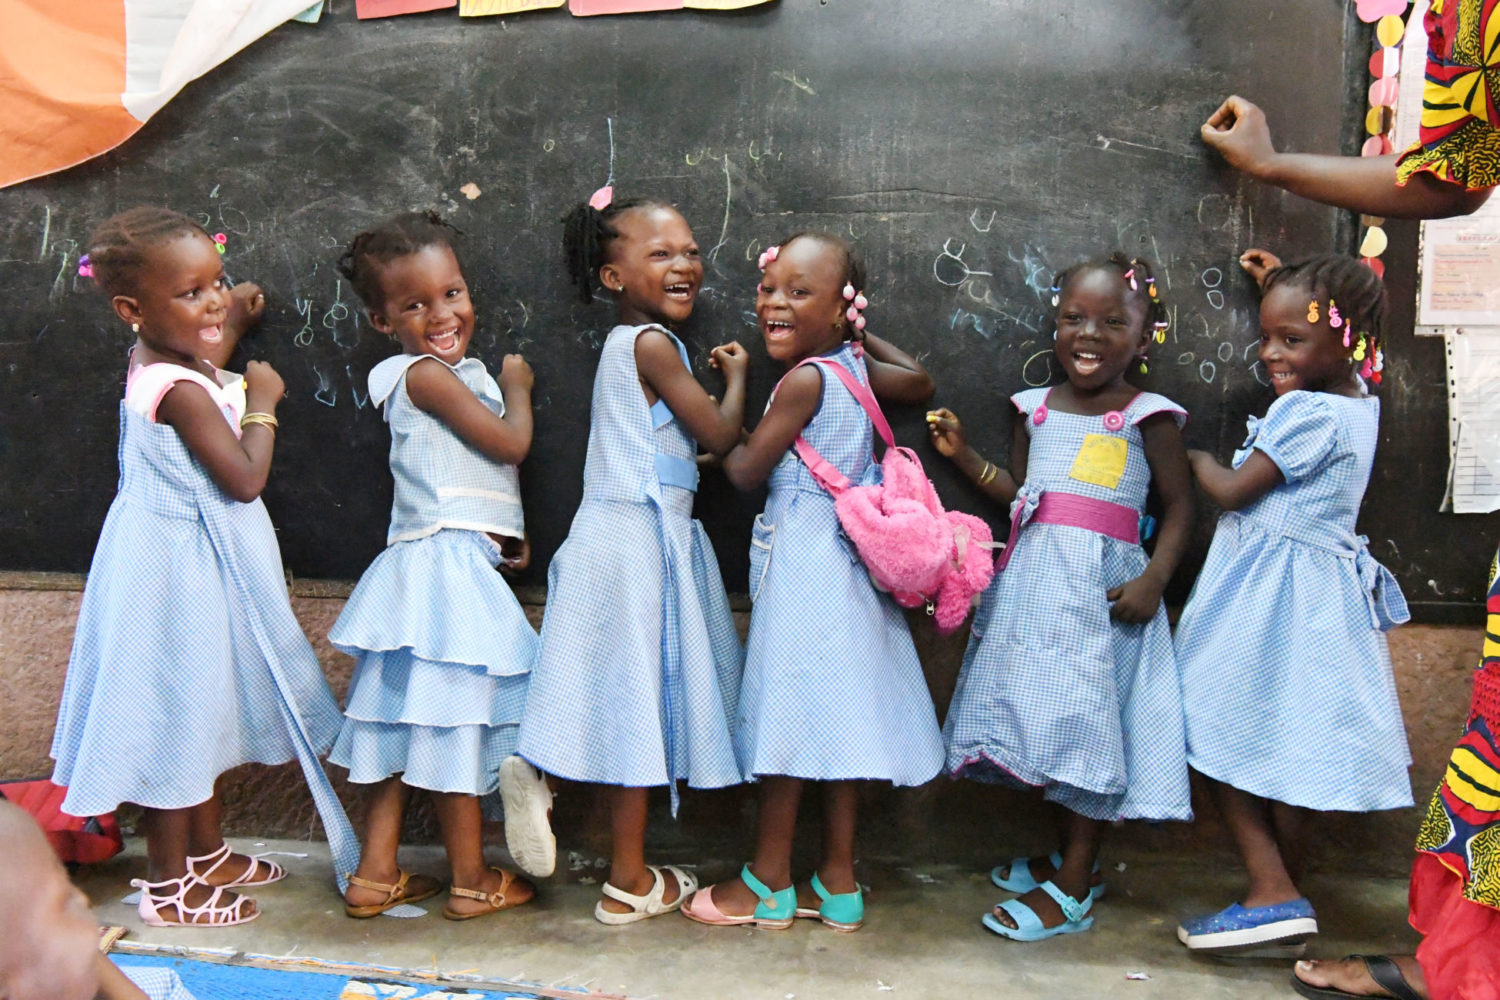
point(528, 819)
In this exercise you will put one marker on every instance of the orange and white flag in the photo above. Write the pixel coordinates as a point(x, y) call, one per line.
point(79, 77)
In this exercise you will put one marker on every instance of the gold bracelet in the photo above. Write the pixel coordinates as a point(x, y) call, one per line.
point(988, 473)
point(256, 417)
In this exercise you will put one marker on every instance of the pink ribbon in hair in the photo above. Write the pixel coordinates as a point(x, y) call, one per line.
point(602, 198)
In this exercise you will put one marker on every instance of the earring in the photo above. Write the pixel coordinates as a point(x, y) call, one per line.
point(1143, 364)
point(135, 328)
point(1054, 333)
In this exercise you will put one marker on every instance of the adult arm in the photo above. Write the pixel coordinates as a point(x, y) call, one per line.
point(1367, 184)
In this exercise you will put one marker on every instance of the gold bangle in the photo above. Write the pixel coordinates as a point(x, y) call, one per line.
point(988, 474)
point(256, 417)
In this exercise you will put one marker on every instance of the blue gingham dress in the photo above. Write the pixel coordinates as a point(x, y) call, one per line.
point(1052, 692)
point(156, 982)
point(187, 660)
point(442, 647)
point(1286, 678)
point(638, 667)
point(833, 688)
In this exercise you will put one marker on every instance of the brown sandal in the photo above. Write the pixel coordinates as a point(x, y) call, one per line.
point(395, 894)
point(496, 899)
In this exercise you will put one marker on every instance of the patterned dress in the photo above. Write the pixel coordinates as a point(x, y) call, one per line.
point(1458, 141)
point(187, 660)
point(833, 688)
point(1053, 693)
point(1286, 677)
point(639, 663)
point(1455, 883)
point(442, 648)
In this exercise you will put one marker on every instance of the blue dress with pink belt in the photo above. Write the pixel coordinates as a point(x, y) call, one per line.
point(1053, 693)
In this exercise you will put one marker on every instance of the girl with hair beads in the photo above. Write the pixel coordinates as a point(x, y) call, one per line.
point(1068, 683)
point(1290, 701)
point(833, 691)
point(639, 663)
point(442, 647)
point(187, 660)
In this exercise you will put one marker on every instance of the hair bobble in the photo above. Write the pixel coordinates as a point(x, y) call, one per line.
point(85, 267)
point(602, 198)
point(219, 240)
point(768, 255)
point(1130, 277)
point(1056, 292)
point(857, 305)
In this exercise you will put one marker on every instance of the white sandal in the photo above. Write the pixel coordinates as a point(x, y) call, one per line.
point(219, 914)
point(275, 873)
point(528, 817)
point(650, 904)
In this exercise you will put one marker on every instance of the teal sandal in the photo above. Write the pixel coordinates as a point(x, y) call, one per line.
point(844, 911)
point(774, 911)
point(1029, 927)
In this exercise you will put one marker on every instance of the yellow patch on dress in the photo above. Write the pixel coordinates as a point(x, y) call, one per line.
point(1101, 460)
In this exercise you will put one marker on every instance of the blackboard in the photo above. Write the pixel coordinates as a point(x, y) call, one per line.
point(970, 149)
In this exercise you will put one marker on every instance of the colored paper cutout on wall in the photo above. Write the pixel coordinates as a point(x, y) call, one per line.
point(366, 9)
point(311, 14)
point(723, 4)
point(592, 8)
point(489, 8)
point(1374, 10)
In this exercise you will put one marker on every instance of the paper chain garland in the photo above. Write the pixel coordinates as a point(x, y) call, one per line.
point(1380, 121)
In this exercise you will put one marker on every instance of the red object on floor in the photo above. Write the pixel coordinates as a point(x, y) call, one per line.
point(83, 840)
point(1460, 950)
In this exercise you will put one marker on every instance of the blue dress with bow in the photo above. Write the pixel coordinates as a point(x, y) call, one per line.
point(1286, 677)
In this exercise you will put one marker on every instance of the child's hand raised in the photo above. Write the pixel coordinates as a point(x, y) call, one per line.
point(263, 387)
point(1258, 263)
point(515, 373)
point(731, 359)
point(1134, 603)
point(947, 433)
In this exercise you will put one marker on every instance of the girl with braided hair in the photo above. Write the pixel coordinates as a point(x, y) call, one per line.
point(187, 660)
point(1287, 686)
point(1068, 683)
point(442, 647)
point(638, 666)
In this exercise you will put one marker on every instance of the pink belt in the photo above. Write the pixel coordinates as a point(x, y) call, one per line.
point(1112, 519)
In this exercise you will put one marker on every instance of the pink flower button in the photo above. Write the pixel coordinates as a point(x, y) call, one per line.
point(1039, 415)
point(1114, 420)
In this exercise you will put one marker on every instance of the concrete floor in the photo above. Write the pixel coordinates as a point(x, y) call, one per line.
point(922, 939)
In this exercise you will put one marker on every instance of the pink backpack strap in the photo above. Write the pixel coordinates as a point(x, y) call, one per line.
point(827, 474)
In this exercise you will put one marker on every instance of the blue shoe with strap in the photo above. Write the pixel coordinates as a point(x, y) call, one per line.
point(1018, 877)
point(844, 911)
point(1029, 926)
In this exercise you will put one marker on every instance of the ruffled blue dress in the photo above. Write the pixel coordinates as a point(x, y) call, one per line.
point(442, 647)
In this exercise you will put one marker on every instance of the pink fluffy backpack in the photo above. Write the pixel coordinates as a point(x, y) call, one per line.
point(912, 548)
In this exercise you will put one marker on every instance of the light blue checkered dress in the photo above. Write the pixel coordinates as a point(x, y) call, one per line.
point(833, 688)
point(1053, 693)
point(639, 663)
point(187, 660)
point(156, 982)
point(442, 648)
point(1286, 677)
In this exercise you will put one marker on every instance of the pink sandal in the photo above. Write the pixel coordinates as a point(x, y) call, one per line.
point(219, 915)
point(274, 872)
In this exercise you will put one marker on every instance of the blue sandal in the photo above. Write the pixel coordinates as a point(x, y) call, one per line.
point(1029, 926)
point(844, 911)
point(1021, 880)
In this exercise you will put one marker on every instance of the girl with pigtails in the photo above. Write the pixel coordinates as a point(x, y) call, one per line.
point(1291, 705)
point(1068, 683)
